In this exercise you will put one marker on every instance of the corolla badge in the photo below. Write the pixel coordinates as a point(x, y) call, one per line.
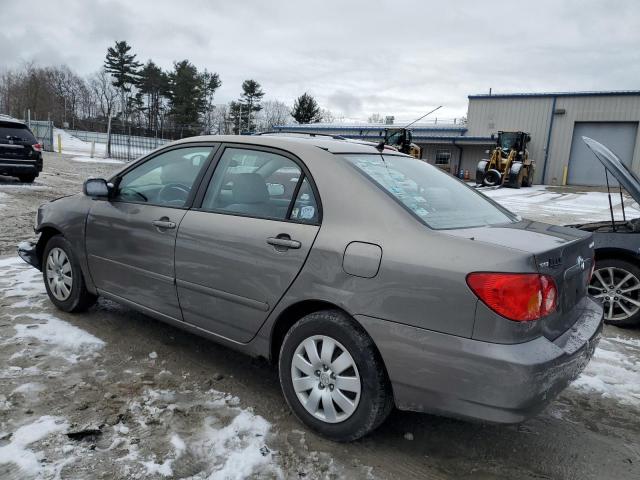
point(580, 262)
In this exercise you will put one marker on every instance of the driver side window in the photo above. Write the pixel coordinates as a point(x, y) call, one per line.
point(166, 179)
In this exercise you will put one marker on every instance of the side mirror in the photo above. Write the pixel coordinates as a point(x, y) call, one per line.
point(96, 188)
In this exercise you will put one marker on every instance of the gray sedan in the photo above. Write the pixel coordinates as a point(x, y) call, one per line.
point(370, 278)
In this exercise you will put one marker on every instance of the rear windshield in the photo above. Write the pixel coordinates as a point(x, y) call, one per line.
point(437, 199)
point(15, 132)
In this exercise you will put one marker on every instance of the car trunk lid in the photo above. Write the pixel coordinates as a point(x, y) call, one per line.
point(566, 254)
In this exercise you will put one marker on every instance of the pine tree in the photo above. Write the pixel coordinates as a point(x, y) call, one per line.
point(236, 117)
point(250, 100)
point(186, 97)
point(123, 67)
point(153, 83)
point(306, 109)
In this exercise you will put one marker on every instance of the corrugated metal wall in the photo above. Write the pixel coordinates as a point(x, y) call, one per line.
point(587, 109)
point(487, 115)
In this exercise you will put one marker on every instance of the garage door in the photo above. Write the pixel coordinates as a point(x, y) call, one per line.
point(584, 167)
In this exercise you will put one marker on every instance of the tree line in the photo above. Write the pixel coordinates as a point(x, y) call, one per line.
point(126, 93)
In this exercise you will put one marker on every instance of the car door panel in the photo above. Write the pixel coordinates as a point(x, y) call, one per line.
point(130, 238)
point(228, 276)
point(131, 257)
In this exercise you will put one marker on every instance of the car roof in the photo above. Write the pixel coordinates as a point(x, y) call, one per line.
point(282, 140)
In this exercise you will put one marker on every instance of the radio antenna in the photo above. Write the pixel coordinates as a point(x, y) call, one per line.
point(426, 114)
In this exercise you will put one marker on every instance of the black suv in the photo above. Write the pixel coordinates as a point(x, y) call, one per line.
point(20, 152)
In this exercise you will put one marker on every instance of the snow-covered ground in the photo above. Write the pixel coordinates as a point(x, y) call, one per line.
point(562, 205)
point(614, 371)
point(230, 442)
point(74, 146)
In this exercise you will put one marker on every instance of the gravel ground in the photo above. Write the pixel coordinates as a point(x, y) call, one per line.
point(114, 394)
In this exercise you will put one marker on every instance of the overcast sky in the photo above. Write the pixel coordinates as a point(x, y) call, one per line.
point(357, 57)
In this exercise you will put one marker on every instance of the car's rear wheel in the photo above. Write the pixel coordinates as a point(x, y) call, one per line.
point(63, 277)
point(333, 377)
point(616, 284)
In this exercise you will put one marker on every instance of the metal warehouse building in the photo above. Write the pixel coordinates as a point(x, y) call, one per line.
point(556, 122)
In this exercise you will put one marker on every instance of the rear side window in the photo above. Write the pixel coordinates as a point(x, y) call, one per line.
point(252, 183)
point(305, 208)
point(12, 132)
point(433, 196)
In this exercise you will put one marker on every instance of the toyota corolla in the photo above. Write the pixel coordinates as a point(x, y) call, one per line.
point(371, 279)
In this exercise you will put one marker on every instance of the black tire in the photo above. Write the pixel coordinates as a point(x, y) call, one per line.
point(27, 178)
point(619, 266)
point(376, 398)
point(480, 171)
point(527, 180)
point(79, 299)
point(492, 178)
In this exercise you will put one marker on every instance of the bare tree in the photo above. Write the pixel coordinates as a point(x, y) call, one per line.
point(327, 116)
point(274, 112)
point(220, 120)
point(375, 118)
point(107, 95)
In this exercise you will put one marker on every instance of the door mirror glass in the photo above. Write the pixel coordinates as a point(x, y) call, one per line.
point(96, 188)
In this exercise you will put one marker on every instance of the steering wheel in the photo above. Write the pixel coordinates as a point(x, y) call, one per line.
point(172, 192)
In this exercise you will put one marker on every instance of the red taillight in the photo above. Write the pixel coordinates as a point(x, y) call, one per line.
point(37, 147)
point(517, 296)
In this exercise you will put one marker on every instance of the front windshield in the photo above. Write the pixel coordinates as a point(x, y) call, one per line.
point(508, 140)
point(436, 198)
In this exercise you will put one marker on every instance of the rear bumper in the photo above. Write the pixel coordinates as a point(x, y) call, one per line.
point(454, 376)
point(20, 167)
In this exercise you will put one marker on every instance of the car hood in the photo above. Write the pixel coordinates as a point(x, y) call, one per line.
point(613, 164)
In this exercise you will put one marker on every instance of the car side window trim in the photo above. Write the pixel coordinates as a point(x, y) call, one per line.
point(204, 184)
point(215, 147)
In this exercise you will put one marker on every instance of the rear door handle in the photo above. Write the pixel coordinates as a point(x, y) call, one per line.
point(165, 224)
point(283, 243)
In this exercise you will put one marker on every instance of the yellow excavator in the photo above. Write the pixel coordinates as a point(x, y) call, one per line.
point(509, 165)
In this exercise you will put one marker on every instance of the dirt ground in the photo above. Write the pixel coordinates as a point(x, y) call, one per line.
point(114, 394)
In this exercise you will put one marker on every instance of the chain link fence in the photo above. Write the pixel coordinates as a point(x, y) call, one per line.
point(129, 142)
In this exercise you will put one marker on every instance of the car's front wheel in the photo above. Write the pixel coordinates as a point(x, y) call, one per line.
point(63, 277)
point(333, 377)
point(616, 284)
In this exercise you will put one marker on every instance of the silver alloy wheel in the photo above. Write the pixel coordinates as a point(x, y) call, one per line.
point(59, 274)
point(326, 379)
point(618, 290)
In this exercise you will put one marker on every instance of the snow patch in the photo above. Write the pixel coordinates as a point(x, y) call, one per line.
point(16, 451)
point(539, 202)
point(63, 339)
point(29, 388)
point(614, 371)
point(97, 160)
point(73, 145)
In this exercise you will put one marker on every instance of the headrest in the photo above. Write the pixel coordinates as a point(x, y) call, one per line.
point(249, 188)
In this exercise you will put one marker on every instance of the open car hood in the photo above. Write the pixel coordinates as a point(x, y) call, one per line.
point(613, 164)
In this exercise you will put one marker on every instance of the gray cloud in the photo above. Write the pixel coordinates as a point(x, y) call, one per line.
point(356, 57)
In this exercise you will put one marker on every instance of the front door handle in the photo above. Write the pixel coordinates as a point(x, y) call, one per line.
point(164, 224)
point(283, 242)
